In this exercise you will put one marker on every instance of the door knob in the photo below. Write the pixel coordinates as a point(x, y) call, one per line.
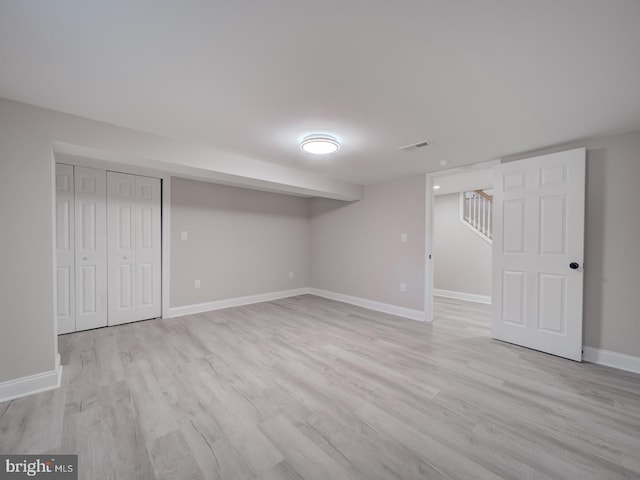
point(574, 265)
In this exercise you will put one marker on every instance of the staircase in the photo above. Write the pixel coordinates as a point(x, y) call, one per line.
point(477, 213)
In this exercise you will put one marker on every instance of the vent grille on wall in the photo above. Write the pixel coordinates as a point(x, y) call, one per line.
point(414, 146)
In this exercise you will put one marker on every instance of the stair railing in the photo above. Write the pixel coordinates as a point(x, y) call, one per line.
point(477, 212)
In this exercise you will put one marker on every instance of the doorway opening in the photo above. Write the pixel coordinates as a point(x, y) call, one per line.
point(462, 245)
point(459, 236)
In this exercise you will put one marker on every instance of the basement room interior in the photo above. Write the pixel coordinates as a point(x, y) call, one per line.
point(289, 240)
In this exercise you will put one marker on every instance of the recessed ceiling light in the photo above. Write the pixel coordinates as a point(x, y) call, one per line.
point(320, 144)
point(444, 163)
point(436, 187)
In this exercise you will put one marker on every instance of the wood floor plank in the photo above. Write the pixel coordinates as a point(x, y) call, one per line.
point(282, 471)
point(307, 388)
point(172, 459)
point(445, 461)
point(349, 441)
point(307, 458)
point(216, 457)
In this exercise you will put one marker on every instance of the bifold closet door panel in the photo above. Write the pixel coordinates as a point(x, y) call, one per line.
point(91, 247)
point(65, 249)
point(148, 247)
point(121, 206)
point(134, 248)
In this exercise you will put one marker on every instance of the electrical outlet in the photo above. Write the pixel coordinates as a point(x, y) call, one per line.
point(403, 237)
point(196, 284)
point(403, 287)
point(183, 235)
point(290, 274)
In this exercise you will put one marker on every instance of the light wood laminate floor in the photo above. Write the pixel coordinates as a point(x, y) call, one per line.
point(308, 388)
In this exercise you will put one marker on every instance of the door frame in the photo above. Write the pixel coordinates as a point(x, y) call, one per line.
point(84, 157)
point(430, 181)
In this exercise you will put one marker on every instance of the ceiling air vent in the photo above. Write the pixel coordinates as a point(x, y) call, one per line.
point(414, 146)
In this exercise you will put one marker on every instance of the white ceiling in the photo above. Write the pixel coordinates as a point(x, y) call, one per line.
point(478, 79)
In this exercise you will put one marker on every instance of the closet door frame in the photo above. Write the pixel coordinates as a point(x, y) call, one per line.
point(65, 271)
point(80, 157)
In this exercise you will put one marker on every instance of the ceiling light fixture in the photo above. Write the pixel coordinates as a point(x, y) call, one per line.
point(320, 144)
point(436, 187)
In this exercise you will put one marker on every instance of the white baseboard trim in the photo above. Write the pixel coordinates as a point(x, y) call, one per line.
point(611, 359)
point(268, 297)
point(371, 304)
point(38, 383)
point(233, 302)
point(469, 297)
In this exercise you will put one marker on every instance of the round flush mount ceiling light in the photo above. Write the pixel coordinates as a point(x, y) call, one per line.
point(320, 144)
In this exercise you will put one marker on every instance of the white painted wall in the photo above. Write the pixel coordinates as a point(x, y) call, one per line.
point(240, 242)
point(356, 248)
point(28, 343)
point(478, 176)
point(461, 258)
point(87, 138)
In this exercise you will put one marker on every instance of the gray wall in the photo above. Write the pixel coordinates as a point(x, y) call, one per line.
point(240, 242)
point(28, 344)
point(461, 258)
point(356, 248)
point(612, 240)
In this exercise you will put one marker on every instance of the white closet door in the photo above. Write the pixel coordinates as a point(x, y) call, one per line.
point(148, 247)
point(91, 248)
point(121, 190)
point(134, 248)
point(65, 250)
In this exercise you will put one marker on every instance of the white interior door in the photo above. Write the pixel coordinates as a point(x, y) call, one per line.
point(91, 247)
point(65, 249)
point(134, 248)
point(121, 203)
point(538, 249)
point(148, 247)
